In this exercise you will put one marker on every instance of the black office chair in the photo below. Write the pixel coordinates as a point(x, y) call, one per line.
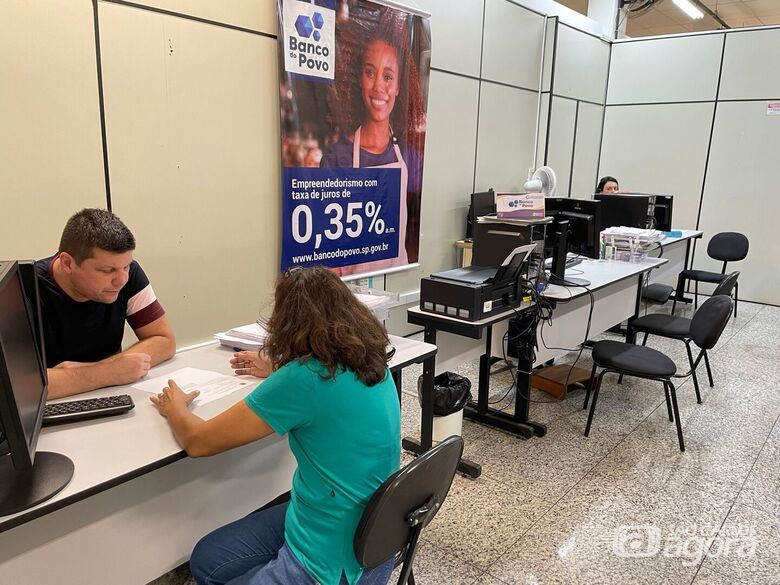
point(726, 247)
point(403, 505)
point(644, 362)
point(672, 327)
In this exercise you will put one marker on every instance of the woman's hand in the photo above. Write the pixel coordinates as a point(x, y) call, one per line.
point(173, 398)
point(251, 363)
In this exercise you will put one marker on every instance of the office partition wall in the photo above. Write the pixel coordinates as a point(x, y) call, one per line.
point(578, 86)
point(51, 158)
point(689, 116)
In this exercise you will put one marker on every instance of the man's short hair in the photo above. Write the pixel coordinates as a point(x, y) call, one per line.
point(95, 228)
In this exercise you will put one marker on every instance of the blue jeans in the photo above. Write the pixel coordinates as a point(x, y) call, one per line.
point(252, 551)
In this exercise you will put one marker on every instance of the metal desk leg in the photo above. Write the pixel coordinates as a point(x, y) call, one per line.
point(465, 466)
point(483, 391)
point(523, 393)
point(518, 423)
point(680, 293)
point(630, 334)
point(397, 375)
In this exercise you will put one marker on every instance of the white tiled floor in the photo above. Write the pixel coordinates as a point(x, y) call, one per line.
point(567, 509)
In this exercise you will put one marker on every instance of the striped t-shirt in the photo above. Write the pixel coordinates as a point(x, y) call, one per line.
point(91, 331)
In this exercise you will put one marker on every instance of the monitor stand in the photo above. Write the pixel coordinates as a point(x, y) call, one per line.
point(569, 280)
point(20, 490)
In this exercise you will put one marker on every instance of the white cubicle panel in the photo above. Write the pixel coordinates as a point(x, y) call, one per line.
point(543, 113)
point(549, 50)
point(750, 65)
point(586, 150)
point(561, 142)
point(665, 70)
point(51, 160)
point(192, 119)
point(259, 15)
point(581, 65)
point(741, 195)
point(505, 145)
point(659, 149)
point(447, 183)
point(456, 34)
point(512, 44)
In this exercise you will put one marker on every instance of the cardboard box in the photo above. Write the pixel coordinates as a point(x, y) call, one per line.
point(520, 205)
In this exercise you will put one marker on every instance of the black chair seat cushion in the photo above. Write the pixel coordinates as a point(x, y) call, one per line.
point(704, 275)
point(657, 292)
point(663, 325)
point(633, 359)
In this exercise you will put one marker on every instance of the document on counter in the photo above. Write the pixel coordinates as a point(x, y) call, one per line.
point(212, 385)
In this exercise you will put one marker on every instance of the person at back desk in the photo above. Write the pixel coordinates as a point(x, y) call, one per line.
point(608, 185)
point(87, 291)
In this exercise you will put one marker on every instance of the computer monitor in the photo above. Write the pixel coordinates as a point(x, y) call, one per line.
point(624, 210)
point(560, 229)
point(662, 212)
point(27, 477)
point(483, 203)
point(584, 216)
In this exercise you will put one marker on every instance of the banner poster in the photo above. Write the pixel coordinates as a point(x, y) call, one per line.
point(353, 95)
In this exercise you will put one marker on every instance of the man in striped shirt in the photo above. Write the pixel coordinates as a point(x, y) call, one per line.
point(87, 292)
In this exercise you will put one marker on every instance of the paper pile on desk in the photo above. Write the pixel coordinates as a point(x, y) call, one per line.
point(629, 243)
point(249, 337)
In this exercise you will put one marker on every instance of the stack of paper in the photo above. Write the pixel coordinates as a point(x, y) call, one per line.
point(628, 243)
point(250, 337)
point(378, 302)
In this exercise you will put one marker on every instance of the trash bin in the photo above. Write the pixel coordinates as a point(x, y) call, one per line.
point(451, 393)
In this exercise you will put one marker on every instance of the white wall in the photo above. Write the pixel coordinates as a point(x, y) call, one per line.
point(693, 95)
point(645, 149)
point(665, 70)
point(581, 68)
point(51, 158)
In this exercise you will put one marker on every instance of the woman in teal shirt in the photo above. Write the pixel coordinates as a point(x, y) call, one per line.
point(329, 390)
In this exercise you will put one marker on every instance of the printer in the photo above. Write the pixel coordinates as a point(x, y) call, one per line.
point(475, 292)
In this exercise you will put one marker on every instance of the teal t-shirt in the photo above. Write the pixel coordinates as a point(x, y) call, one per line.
point(346, 438)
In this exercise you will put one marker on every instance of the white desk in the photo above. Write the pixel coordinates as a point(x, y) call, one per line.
point(678, 252)
point(136, 504)
point(616, 288)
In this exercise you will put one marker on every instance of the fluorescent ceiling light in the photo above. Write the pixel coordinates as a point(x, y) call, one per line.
point(688, 8)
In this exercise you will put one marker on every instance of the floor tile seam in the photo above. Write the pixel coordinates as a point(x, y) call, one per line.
point(731, 507)
point(720, 346)
point(445, 554)
point(758, 455)
point(563, 495)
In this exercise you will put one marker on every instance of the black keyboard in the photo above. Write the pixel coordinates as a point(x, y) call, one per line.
point(62, 412)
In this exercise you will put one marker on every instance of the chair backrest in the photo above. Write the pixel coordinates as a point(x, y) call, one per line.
point(710, 320)
point(384, 528)
point(726, 286)
point(728, 247)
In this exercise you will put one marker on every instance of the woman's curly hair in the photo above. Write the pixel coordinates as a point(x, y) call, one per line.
point(315, 315)
point(366, 25)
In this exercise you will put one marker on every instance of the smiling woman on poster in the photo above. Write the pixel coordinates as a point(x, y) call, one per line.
point(378, 108)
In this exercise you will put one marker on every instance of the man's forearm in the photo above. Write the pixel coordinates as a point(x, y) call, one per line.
point(158, 347)
point(74, 380)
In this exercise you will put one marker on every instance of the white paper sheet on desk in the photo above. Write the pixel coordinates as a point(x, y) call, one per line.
point(212, 385)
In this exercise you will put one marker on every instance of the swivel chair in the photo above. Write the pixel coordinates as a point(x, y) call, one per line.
point(403, 505)
point(644, 362)
point(672, 327)
point(726, 247)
